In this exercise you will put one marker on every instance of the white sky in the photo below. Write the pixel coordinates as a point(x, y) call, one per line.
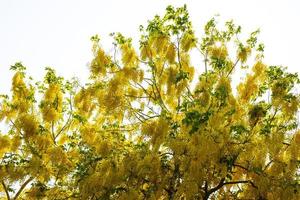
point(56, 33)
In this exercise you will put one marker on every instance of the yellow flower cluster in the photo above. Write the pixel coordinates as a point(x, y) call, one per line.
point(83, 101)
point(159, 44)
point(188, 41)
point(290, 107)
point(100, 63)
point(43, 142)
point(133, 74)
point(171, 53)
point(251, 85)
point(259, 69)
point(88, 134)
point(145, 52)
point(170, 78)
point(149, 166)
point(294, 149)
point(28, 124)
point(100, 140)
point(20, 93)
point(186, 66)
point(4, 144)
point(243, 53)
point(297, 138)
point(129, 57)
point(156, 129)
point(58, 156)
point(219, 52)
point(112, 99)
point(52, 104)
point(224, 82)
point(15, 173)
point(15, 143)
point(18, 84)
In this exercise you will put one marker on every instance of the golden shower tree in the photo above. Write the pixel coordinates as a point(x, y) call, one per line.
point(144, 127)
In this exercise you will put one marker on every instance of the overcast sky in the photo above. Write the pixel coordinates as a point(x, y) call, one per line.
point(56, 33)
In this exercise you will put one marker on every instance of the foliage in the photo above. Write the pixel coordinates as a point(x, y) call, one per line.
point(145, 128)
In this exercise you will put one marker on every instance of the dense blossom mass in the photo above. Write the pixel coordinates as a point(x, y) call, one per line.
point(150, 125)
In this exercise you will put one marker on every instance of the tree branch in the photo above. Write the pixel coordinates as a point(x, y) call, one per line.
point(22, 187)
point(212, 190)
point(234, 65)
point(68, 120)
point(240, 166)
point(6, 191)
point(222, 183)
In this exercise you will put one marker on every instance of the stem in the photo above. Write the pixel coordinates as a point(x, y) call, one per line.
point(68, 120)
point(236, 62)
point(5, 189)
point(52, 132)
point(205, 65)
point(19, 130)
point(178, 51)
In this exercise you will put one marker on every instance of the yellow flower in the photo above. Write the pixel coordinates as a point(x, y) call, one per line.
point(243, 53)
point(20, 93)
point(15, 142)
point(219, 52)
point(188, 41)
point(28, 124)
point(131, 73)
point(171, 53)
point(4, 144)
point(290, 107)
point(259, 68)
point(88, 134)
point(43, 142)
point(224, 82)
point(248, 88)
point(52, 92)
point(161, 44)
point(52, 103)
point(58, 156)
point(297, 137)
point(129, 57)
point(100, 63)
point(156, 129)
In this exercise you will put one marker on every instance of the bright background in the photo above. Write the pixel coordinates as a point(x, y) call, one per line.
point(56, 33)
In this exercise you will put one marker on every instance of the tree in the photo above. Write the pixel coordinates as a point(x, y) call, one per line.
point(144, 127)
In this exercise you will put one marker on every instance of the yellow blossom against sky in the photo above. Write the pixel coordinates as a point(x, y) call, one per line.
point(56, 33)
point(163, 114)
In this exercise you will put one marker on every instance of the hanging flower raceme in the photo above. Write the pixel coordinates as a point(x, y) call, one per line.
point(21, 93)
point(52, 104)
point(188, 41)
point(129, 56)
point(28, 124)
point(100, 63)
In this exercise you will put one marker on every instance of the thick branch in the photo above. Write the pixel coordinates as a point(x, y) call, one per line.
point(222, 183)
point(212, 190)
point(22, 187)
